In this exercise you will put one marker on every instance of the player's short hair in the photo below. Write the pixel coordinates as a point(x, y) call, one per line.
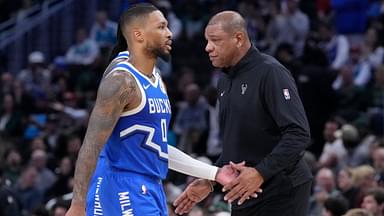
point(136, 12)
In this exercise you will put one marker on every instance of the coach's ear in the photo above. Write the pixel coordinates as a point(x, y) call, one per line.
point(240, 38)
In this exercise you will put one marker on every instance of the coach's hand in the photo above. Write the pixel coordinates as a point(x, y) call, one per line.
point(76, 210)
point(246, 185)
point(196, 191)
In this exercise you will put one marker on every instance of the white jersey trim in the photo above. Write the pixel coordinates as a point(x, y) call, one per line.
point(143, 95)
point(154, 84)
point(149, 140)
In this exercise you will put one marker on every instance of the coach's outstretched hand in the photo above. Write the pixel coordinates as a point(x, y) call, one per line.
point(76, 210)
point(199, 189)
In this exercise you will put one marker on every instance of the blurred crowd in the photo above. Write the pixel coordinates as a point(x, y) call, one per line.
point(333, 48)
point(16, 8)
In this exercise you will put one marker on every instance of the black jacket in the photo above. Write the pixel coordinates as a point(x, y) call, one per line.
point(263, 122)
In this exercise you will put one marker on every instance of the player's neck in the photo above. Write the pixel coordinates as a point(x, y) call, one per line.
point(142, 63)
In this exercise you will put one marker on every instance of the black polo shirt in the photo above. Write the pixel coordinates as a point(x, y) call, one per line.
point(262, 119)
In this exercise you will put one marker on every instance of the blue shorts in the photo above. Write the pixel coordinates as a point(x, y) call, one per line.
point(94, 185)
point(118, 193)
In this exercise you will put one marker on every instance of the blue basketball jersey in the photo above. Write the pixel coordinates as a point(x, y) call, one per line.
point(134, 159)
point(138, 142)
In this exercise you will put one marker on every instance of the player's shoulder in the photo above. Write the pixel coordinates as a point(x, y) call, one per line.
point(119, 75)
point(117, 86)
point(113, 65)
point(115, 73)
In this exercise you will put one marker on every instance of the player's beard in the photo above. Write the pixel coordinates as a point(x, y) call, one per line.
point(162, 54)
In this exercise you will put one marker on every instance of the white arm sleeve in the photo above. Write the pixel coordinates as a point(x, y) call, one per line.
point(183, 163)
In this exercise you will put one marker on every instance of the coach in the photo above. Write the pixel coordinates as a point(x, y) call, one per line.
point(262, 122)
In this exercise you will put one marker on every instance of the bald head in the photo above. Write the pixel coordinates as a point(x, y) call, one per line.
point(230, 21)
point(227, 39)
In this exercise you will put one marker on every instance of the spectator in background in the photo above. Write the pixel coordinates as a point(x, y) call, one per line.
point(103, 32)
point(12, 165)
point(36, 144)
point(373, 201)
point(351, 138)
point(26, 188)
point(64, 173)
point(369, 134)
point(336, 46)
point(358, 212)
point(84, 52)
point(214, 146)
point(36, 77)
point(291, 25)
point(45, 177)
point(347, 188)
point(286, 56)
point(256, 26)
point(378, 163)
point(359, 68)
point(185, 77)
point(191, 124)
point(70, 107)
point(334, 152)
point(372, 50)
point(376, 97)
point(324, 187)
point(72, 146)
point(10, 117)
point(335, 206)
point(60, 208)
point(364, 180)
point(193, 24)
point(351, 98)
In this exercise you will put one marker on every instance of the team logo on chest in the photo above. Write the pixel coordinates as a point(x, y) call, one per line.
point(243, 88)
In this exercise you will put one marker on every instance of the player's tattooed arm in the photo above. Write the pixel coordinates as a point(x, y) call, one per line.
point(114, 94)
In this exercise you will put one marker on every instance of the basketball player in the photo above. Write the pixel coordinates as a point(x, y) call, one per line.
point(129, 122)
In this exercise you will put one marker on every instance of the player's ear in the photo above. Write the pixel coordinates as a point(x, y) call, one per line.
point(138, 35)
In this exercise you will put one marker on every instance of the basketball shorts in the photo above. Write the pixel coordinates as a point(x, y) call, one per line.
point(94, 184)
point(118, 193)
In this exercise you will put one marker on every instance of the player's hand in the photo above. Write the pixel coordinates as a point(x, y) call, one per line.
point(246, 185)
point(196, 191)
point(76, 210)
point(227, 173)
